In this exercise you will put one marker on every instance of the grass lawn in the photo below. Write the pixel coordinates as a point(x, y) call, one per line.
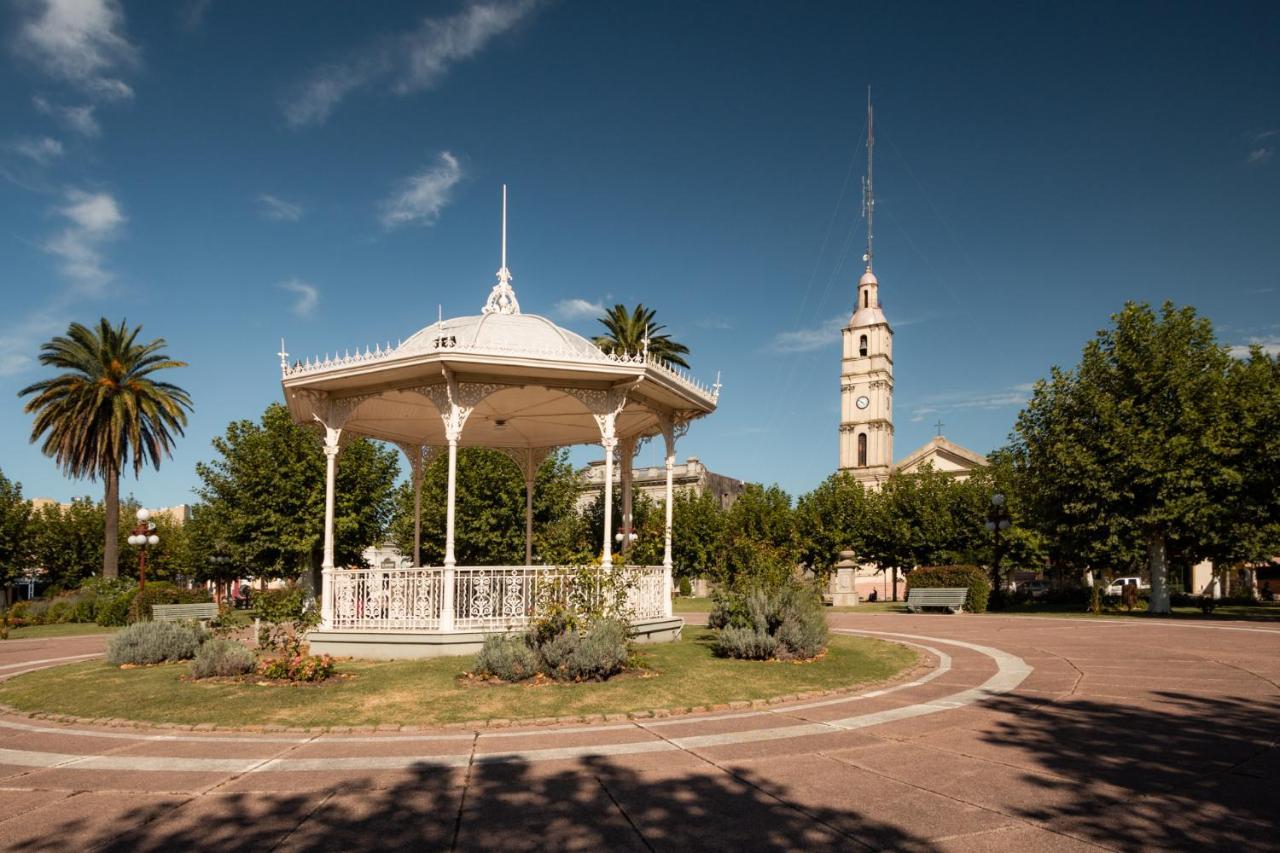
point(680, 675)
point(703, 605)
point(65, 629)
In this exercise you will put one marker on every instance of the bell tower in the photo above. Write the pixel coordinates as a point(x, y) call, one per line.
point(866, 372)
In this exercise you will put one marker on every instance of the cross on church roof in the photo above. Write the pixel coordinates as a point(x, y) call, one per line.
point(939, 425)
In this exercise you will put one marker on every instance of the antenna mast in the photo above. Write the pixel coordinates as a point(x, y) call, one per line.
point(504, 226)
point(868, 193)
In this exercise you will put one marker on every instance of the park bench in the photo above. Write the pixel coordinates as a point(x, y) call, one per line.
point(177, 612)
point(952, 598)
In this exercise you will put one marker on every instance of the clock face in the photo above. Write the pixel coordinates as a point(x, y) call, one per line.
point(862, 402)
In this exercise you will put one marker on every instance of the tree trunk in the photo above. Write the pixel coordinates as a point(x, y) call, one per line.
point(111, 510)
point(895, 582)
point(1159, 570)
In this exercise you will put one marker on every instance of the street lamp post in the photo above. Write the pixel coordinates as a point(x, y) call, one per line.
point(143, 534)
point(997, 523)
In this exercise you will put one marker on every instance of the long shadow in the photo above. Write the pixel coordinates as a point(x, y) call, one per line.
point(1191, 772)
point(593, 805)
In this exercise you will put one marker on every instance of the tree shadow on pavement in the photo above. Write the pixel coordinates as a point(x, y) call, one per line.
point(592, 804)
point(1189, 771)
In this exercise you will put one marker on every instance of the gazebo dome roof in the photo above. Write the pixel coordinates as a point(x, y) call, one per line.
point(517, 334)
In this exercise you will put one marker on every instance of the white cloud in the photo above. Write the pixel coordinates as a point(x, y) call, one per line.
point(826, 333)
point(279, 209)
point(578, 309)
point(78, 118)
point(20, 341)
point(94, 218)
point(1270, 346)
point(308, 296)
point(410, 62)
point(42, 150)
point(1015, 396)
point(81, 42)
point(420, 198)
point(1262, 147)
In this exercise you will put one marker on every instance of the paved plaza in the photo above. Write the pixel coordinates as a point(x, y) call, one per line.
point(1020, 733)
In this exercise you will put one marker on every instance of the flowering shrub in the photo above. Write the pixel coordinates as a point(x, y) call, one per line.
point(297, 668)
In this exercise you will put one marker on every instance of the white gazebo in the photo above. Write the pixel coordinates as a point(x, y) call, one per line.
point(500, 379)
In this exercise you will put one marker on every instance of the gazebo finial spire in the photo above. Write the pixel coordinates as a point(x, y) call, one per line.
point(502, 299)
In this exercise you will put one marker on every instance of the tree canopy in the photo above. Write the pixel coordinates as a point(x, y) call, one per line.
point(628, 330)
point(265, 495)
point(104, 406)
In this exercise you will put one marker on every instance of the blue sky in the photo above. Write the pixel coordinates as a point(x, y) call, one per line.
point(227, 173)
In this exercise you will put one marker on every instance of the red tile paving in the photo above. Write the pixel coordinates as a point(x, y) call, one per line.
point(1126, 735)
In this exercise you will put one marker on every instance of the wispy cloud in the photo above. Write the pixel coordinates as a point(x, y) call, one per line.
point(420, 198)
point(578, 309)
point(824, 334)
point(1262, 147)
point(191, 15)
point(19, 341)
point(406, 63)
point(79, 118)
point(81, 42)
point(278, 209)
point(308, 296)
point(93, 219)
point(43, 150)
point(1270, 346)
point(1015, 396)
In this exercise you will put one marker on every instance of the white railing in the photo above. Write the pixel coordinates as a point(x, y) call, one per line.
point(489, 598)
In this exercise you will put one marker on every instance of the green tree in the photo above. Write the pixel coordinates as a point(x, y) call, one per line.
point(489, 510)
point(927, 518)
point(1128, 450)
point(627, 331)
point(697, 530)
point(832, 518)
point(103, 407)
point(1251, 530)
point(759, 538)
point(67, 542)
point(265, 491)
point(15, 547)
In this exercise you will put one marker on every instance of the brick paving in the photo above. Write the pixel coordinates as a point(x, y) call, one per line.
point(1026, 734)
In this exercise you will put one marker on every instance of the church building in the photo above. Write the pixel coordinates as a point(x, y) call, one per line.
point(866, 381)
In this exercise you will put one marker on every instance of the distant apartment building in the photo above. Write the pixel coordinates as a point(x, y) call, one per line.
point(178, 513)
point(690, 475)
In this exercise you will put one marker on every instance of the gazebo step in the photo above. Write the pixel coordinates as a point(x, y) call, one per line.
point(403, 645)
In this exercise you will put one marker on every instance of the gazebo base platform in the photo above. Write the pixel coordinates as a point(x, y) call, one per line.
point(405, 645)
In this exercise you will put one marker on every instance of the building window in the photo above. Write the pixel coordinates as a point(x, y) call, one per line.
point(388, 564)
point(862, 345)
point(866, 299)
point(862, 450)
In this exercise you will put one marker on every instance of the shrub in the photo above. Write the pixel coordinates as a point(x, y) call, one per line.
point(155, 642)
point(221, 657)
point(785, 622)
point(162, 592)
point(972, 577)
point(297, 668)
point(287, 615)
point(509, 658)
point(746, 643)
point(601, 652)
point(686, 587)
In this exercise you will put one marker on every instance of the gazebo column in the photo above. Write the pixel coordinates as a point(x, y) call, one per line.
point(626, 453)
point(455, 401)
point(419, 456)
point(609, 442)
point(669, 436)
point(605, 406)
point(331, 438)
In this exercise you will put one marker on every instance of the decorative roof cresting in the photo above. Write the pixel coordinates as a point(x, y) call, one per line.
point(502, 299)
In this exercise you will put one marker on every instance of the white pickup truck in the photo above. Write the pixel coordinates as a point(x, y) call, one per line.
point(1117, 586)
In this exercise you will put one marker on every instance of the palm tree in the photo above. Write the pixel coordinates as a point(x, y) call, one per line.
point(627, 333)
point(103, 406)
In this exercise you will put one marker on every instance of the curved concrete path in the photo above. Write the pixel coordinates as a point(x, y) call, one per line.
point(1024, 734)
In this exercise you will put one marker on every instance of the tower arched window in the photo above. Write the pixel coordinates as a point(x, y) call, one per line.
point(866, 299)
point(862, 450)
point(862, 345)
